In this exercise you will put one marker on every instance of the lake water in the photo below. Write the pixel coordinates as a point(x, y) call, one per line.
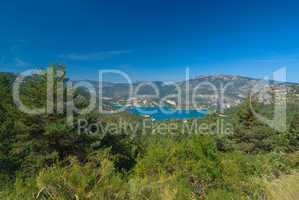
point(166, 113)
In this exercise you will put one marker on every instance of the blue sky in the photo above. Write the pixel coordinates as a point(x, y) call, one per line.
point(151, 39)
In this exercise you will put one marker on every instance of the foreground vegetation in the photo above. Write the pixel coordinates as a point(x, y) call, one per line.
point(41, 157)
point(284, 188)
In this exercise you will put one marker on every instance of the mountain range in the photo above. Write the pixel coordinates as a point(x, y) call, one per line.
point(202, 91)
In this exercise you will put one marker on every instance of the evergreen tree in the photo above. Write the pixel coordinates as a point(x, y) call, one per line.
point(46, 138)
point(8, 114)
point(294, 133)
point(250, 134)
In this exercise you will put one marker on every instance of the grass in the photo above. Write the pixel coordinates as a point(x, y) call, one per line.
point(284, 188)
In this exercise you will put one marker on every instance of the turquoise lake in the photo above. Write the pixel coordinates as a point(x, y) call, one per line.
point(165, 113)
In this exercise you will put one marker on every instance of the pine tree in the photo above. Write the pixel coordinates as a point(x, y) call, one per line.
point(294, 133)
point(8, 114)
point(250, 134)
point(45, 138)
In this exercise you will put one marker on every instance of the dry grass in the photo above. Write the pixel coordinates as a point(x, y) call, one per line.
point(284, 188)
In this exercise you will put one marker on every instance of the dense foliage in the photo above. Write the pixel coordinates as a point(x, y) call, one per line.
point(41, 157)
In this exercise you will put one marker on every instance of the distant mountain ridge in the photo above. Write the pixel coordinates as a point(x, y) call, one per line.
point(238, 83)
point(204, 88)
point(236, 89)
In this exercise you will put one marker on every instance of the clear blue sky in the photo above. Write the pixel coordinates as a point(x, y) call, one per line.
point(151, 39)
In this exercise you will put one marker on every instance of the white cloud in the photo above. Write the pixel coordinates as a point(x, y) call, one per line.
point(16, 62)
point(21, 63)
point(94, 56)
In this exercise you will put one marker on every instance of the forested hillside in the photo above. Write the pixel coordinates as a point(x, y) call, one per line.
point(42, 157)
